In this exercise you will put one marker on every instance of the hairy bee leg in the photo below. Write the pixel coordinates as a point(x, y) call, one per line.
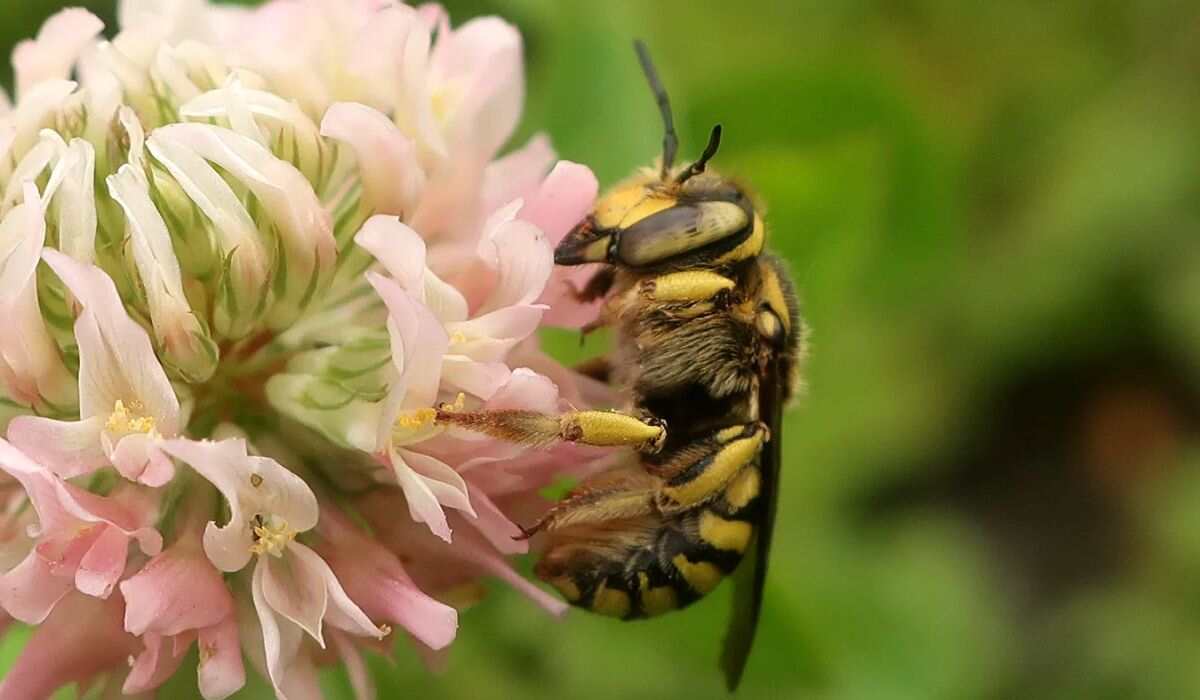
point(597, 286)
point(598, 368)
point(599, 428)
point(620, 494)
point(699, 474)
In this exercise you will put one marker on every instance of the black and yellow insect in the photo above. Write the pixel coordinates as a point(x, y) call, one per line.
point(708, 341)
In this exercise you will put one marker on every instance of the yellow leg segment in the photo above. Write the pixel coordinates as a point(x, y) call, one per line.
point(700, 479)
point(599, 428)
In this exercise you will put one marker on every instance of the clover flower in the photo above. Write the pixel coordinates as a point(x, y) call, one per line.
point(244, 257)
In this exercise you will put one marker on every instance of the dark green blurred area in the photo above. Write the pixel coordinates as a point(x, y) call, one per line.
point(992, 212)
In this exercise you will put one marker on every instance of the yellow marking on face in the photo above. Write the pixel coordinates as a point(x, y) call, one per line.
point(730, 535)
point(567, 587)
point(610, 602)
point(772, 293)
point(725, 464)
point(609, 428)
point(744, 488)
point(629, 203)
point(748, 248)
point(702, 576)
point(691, 285)
point(657, 600)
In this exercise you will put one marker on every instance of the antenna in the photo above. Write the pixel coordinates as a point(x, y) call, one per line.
point(714, 142)
point(670, 141)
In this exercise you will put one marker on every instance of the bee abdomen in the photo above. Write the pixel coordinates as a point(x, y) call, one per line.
point(686, 558)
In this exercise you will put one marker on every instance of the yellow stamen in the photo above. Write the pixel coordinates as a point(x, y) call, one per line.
point(271, 536)
point(125, 420)
point(415, 419)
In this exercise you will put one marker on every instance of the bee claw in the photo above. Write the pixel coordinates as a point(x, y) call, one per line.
point(528, 532)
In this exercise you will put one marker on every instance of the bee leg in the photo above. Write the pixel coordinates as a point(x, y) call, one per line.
point(693, 477)
point(600, 428)
point(596, 287)
point(619, 494)
point(598, 368)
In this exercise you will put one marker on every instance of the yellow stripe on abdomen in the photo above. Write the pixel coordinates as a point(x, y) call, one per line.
point(702, 576)
point(728, 535)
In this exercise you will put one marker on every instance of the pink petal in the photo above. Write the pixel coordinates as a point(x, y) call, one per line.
point(60, 41)
point(178, 590)
point(495, 526)
point(30, 591)
point(221, 671)
point(138, 458)
point(81, 639)
point(565, 197)
point(68, 448)
point(103, 564)
point(387, 160)
point(152, 667)
point(518, 174)
point(374, 578)
point(485, 55)
point(496, 565)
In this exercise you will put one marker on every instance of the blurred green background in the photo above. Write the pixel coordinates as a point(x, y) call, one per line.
point(992, 211)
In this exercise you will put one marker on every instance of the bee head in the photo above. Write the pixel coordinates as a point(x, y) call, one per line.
point(654, 219)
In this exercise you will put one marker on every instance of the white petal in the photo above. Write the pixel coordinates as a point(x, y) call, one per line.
point(287, 196)
point(423, 505)
point(76, 203)
point(295, 589)
point(281, 638)
point(59, 42)
point(251, 485)
point(443, 481)
point(341, 612)
point(387, 160)
point(153, 257)
point(116, 359)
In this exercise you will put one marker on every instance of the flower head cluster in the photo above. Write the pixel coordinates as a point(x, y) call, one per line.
point(244, 256)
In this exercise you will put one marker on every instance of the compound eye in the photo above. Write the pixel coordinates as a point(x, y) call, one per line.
point(769, 325)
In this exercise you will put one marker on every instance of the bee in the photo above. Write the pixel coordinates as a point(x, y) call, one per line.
point(708, 342)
